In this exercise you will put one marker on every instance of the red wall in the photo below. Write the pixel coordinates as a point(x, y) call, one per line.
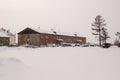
point(43, 39)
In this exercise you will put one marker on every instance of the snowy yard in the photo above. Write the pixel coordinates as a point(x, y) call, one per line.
point(59, 63)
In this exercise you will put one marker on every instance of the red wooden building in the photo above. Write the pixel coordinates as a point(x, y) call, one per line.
point(39, 37)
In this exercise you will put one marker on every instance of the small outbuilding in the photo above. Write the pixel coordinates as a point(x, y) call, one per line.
point(4, 41)
point(6, 37)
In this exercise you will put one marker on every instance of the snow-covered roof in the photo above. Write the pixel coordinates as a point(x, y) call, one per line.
point(42, 31)
point(5, 33)
point(54, 32)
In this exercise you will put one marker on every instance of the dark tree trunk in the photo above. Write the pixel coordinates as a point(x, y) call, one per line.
point(99, 34)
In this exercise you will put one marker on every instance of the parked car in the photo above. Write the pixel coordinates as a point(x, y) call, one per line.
point(66, 44)
point(85, 45)
point(118, 45)
point(106, 45)
point(92, 45)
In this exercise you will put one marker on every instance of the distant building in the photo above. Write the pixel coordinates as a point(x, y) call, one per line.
point(6, 37)
point(42, 37)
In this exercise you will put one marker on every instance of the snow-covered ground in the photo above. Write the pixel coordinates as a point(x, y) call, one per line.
point(59, 63)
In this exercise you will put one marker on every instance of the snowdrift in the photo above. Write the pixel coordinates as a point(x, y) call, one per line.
point(60, 63)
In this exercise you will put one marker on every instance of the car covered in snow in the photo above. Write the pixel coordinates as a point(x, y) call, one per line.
point(106, 45)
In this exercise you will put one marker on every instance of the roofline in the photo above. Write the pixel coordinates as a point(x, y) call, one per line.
point(28, 28)
point(49, 33)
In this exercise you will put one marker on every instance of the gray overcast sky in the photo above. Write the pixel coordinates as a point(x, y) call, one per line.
point(63, 15)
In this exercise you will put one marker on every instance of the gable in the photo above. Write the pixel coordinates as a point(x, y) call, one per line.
point(28, 31)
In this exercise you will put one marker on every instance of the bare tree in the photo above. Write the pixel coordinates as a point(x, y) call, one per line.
point(98, 26)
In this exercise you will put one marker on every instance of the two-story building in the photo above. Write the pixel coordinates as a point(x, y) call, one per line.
point(39, 37)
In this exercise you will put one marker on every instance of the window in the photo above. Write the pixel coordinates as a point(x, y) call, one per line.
point(46, 37)
point(28, 36)
point(42, 36)
point(57, 37)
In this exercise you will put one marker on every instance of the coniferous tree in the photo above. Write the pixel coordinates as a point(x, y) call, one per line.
point(104, 35)
point(118, 36)
point(98, 25)
point(117, 41)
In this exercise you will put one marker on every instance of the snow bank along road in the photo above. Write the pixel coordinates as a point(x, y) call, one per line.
point(59, 63)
